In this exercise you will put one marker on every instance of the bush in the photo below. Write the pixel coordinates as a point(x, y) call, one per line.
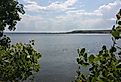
point(18, 62)
point(104, 66)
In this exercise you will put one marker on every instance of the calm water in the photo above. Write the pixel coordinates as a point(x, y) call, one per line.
point(59, 52)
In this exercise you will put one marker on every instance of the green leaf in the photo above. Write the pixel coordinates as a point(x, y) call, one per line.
point(104, 47)
point(82, 50)
point(83, 78)
point(91, 58)
point(115, 34)
point(78, 51)
point(78, 60)
point(85, 57)
point(113, 49)
point(85, 64)
point(78, 80)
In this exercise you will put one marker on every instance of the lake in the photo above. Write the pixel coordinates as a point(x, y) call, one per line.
point(59, 52)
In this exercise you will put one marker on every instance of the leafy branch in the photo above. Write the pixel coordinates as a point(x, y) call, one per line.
point(19, 61)
point(106, 65)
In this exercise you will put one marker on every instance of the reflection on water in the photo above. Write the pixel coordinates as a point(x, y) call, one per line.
point(59, 52)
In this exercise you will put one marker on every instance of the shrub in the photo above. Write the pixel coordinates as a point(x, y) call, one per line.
point(104, 66)
point(18, 62)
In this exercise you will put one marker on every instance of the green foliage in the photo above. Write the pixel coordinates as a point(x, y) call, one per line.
point(116, 30)
point(5, 41)
point(9, 13)
point(104, 66)
point(18, 62)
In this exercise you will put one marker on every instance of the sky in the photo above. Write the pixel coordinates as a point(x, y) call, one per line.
point(68, 15)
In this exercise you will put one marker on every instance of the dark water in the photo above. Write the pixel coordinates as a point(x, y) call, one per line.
point(59, 52)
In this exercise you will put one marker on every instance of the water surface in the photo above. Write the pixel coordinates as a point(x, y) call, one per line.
point(59, 52)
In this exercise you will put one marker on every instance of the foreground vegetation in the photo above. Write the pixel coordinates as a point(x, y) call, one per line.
point(19, 61)
point(104, 66)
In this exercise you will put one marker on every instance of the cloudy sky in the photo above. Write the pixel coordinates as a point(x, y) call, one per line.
point(68, 15)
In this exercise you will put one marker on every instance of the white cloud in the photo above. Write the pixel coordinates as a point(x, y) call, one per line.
point(107, 8)
point(61, 6)
point(113, 19)
point(83, 12)
point(32, 23)
point(101, 18)
point(69, 3)
point(34, 6)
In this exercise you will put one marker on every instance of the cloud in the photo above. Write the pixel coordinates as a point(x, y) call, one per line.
point(32, 23)
point(69, 3)
point(106, 9)
point(101, 18)
point(34, 6)
point(83, 13)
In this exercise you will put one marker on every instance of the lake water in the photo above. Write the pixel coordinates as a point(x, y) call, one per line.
point(59, 52)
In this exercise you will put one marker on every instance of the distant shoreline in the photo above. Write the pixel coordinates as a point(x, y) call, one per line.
point(71, 32)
